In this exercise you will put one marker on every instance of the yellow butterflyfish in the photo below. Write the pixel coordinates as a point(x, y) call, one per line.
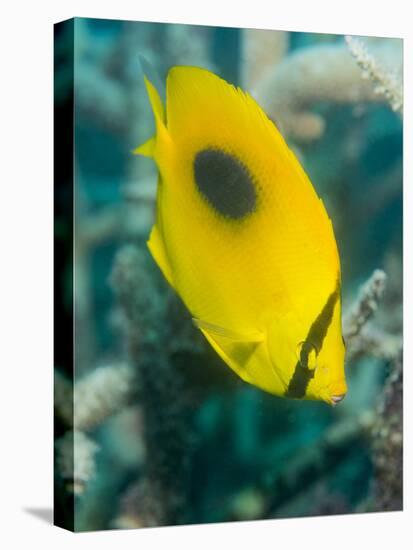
point(243, 238)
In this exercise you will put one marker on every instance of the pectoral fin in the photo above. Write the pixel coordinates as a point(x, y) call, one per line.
point(234, 348)
point(215, 330)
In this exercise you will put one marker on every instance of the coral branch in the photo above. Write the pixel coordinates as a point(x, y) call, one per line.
point(386, 430)
point(360, 336)
point(375, 342)
point(102, 393)
point(97, 396)
point(386, 83)
point(387, 434)
point(315, 74)
point(75, 460)
point(164, 399)
point(365, 305)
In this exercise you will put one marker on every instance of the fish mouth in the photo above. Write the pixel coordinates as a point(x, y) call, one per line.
point(336, 399)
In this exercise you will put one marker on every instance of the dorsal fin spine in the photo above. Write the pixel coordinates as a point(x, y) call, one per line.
point(154, 147)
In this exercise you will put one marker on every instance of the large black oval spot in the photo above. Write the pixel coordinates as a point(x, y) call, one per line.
point(225, 182)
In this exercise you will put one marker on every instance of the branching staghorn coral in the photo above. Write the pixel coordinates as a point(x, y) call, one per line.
point(164, 397)
point(375, 342)
point(98, 395)
point(110, 97)
point(322, 73)
point(387, 443)
point(366, 304)
point(102, 393)
point(385, 431)
point(362, 337)
point(95, 229)
point(75, 460)
point(159, 497)
point(83, 406)
point(386, 83)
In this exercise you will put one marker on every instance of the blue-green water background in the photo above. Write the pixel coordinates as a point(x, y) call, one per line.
point(242, 435)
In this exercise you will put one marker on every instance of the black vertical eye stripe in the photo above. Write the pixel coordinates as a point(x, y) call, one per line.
point(225, 183)
point(315, 338)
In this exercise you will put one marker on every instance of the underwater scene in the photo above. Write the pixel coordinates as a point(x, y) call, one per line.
point(237, 350)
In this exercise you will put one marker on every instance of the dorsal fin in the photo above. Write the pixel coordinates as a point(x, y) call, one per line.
point(197, 99)
point(149, 148)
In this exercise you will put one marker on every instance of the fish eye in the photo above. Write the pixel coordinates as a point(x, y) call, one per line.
point(307, 355)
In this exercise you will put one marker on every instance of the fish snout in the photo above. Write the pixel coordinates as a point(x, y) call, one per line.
point(335, 399)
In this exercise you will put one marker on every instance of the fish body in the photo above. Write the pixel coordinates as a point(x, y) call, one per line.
point(243, 238)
